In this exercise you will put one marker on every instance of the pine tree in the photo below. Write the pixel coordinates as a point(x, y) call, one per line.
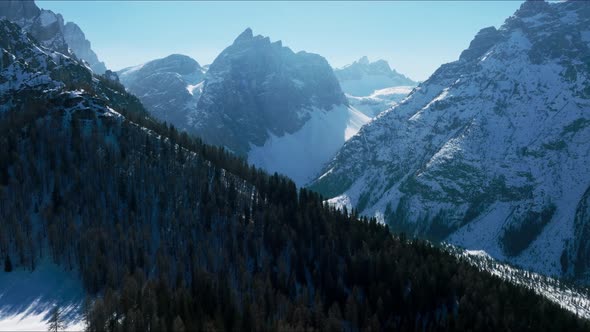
point(7, 264)
point(56, 322)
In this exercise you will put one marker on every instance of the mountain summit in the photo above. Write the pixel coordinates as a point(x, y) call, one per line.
point(492, 151)
point(169, 87)
point(49, 29)
point(256, 88)
point(283, 110)
point(373, 87)
point(362, 77)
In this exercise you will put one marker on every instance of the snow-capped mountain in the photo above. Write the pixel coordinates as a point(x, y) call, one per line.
point(169, 87)
point(372, 87)
point(362, 78)
point(285, 111)
point(49, 29)
point(260, 99)
point(492, 152)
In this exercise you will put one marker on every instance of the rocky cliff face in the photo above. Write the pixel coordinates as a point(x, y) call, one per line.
point(36, 79)
point(81, 47)
point(49, 30)
point(492, 151)
point(256, 88)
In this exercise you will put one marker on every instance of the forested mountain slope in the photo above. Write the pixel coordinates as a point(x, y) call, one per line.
point(167, 233)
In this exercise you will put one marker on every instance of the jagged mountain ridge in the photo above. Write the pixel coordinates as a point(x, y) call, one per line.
point(491, 152)
point(285, 111)
point(81, 47)
point(362, 77)
point(255, 87)
point(49, 29)
point(373, 87)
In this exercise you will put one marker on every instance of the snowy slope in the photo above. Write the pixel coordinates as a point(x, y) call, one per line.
point(27, 298)
point(302, 154)
point(491, 152)
point(379, 100)
point(570, 297)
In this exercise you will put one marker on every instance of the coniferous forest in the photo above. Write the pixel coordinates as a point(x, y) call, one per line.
point(170, 234)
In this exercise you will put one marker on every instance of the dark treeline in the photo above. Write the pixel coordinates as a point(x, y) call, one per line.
point(171, 234)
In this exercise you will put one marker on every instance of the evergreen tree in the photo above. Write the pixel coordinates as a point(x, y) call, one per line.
point(7, 264)
point(56, 322)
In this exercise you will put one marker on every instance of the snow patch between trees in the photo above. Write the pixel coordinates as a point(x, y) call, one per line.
point(28, 297)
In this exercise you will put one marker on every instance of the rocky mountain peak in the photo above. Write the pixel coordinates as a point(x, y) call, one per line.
point(483, 41)
point(51, 32)
point(15, 10)
point(255, 87)
point(363, 77)
point(364, 60)
point(81, 47)
point(176, 63)
point(168, 87)
point(533, 7)
point(244, 36)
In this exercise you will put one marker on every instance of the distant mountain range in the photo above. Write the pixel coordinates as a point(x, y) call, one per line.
point(285, 111)
point(373, 87)
point(491, 152)
point(362, 77)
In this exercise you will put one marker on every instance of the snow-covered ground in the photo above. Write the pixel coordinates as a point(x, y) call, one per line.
point(302, 155)
point(27, 298)
point(571, 298)
point(379, 100)
point(366, 86)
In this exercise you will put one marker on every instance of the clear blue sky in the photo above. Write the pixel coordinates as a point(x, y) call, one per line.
point(415, 37)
